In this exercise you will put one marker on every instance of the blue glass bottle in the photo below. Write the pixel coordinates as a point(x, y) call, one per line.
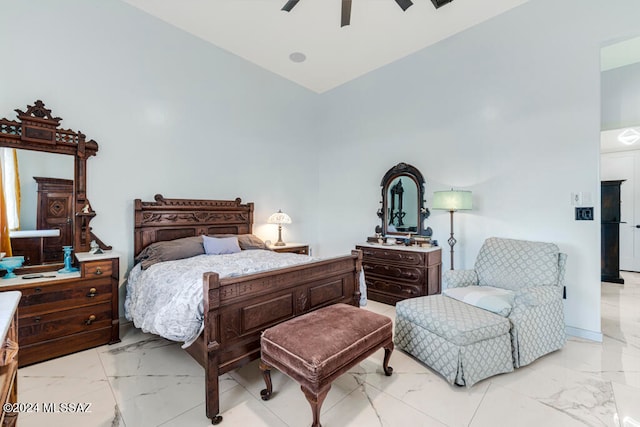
point(67, 261)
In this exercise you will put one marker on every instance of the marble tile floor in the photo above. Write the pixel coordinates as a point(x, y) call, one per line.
point(148, 381)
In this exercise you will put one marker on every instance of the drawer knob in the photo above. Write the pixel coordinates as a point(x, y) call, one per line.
point(92, 292)
point(98, 271)
point(37, 290)
point(90, 320)
point(37, 319)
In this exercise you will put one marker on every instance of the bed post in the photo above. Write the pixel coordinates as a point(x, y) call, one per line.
point(356, 277)
point(212, 344)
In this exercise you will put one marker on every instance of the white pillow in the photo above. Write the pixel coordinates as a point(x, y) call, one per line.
point(496, 300)
point(220, 246)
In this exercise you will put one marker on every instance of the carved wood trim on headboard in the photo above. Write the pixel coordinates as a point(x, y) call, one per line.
point(169, 219)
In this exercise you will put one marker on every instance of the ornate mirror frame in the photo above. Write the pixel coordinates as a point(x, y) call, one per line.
point(36, 129)
point(412, 173)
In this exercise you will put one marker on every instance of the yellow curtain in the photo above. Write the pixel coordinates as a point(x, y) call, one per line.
point(5, 242)
point(17, 194)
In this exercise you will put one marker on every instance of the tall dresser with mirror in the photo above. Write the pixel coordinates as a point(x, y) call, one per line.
point(393, 271)
point(71, 304)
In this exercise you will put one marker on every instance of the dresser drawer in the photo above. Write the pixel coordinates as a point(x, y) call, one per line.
point(48, 298)
point(396, 291)
point(47, 326)
point(96, 269)
point(393, 256)
point(43, 350)
point(394, 272)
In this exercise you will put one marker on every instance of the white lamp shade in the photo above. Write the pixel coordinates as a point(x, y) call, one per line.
point(452, 200)
point(279, 218)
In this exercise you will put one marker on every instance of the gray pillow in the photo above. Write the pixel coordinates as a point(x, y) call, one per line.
point(246, 241)
point(170, 250)
point(220, 245)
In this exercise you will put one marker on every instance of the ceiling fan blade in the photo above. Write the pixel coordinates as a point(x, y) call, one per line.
point(346, 13)
point(404, 4)
point(438, 3)
point(287, 7)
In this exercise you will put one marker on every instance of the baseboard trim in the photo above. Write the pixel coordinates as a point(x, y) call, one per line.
point(583, 333)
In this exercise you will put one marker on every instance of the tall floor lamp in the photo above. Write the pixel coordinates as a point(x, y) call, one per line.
point(452, 200)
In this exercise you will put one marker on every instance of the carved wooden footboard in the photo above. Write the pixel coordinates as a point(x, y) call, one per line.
point(238, 309)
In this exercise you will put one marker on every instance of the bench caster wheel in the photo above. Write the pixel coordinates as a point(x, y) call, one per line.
point(216, 420)
point(265, 394)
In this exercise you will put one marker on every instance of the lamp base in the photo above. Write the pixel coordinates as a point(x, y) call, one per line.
point(279, 242)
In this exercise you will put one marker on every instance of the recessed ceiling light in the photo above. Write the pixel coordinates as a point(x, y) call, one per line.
point(298, 57)
point(629, 136)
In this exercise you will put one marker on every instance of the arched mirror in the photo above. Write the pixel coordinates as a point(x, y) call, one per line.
point(51, 165)
point(403, 206)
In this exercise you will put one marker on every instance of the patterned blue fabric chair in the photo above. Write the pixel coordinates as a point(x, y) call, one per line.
point(528, 276)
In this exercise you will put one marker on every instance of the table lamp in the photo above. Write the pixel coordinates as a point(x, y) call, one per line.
point(279, 218)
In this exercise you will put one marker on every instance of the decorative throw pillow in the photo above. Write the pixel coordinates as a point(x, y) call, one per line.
point(220, 246)
point(496, 300)
point(249, 241)
point(170, 250)
point(246, 241)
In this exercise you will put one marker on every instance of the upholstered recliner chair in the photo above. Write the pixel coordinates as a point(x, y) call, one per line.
point(522, 281)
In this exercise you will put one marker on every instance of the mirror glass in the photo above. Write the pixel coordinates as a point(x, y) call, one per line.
point(403, 205)
point(57, 206)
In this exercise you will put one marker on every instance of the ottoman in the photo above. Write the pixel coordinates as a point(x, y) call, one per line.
point(463, 343)
point(316, 348)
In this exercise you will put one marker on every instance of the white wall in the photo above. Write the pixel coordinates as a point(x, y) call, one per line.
point(171, 113)
point(509, 109)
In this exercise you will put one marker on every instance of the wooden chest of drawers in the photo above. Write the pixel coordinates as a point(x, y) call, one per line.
point(66, 315)
point(395, 273)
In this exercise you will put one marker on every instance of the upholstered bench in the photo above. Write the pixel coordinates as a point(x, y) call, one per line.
point(318, 347)
point(465, 344)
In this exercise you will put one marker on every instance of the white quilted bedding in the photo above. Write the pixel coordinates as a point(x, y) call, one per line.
point(166, 299)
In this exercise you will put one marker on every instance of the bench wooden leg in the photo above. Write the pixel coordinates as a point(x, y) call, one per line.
point(266, 374)
point(316, 400)
point(388, 370)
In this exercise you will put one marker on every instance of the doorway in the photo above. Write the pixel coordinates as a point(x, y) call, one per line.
point(620, 140)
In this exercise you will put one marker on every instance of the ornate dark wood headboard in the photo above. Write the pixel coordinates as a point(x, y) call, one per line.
point(169, 219)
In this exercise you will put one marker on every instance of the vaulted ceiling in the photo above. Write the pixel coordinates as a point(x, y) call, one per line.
point(308, 45)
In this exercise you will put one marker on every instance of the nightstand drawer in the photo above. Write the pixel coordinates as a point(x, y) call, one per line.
point(36, 328)
point(49, 298)
point(291, 248)
point(96, 269)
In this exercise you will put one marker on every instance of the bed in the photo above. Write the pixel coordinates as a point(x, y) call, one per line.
point(237, 309)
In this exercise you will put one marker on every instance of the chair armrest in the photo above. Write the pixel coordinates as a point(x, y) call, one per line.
point(459, 278)
point(538, 295)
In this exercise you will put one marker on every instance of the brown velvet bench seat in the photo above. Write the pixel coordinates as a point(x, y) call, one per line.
point(318, 347)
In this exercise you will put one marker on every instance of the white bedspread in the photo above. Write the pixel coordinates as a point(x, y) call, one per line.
point(167, 298)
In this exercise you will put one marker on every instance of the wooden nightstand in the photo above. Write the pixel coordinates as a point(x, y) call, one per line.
point(296, 248)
